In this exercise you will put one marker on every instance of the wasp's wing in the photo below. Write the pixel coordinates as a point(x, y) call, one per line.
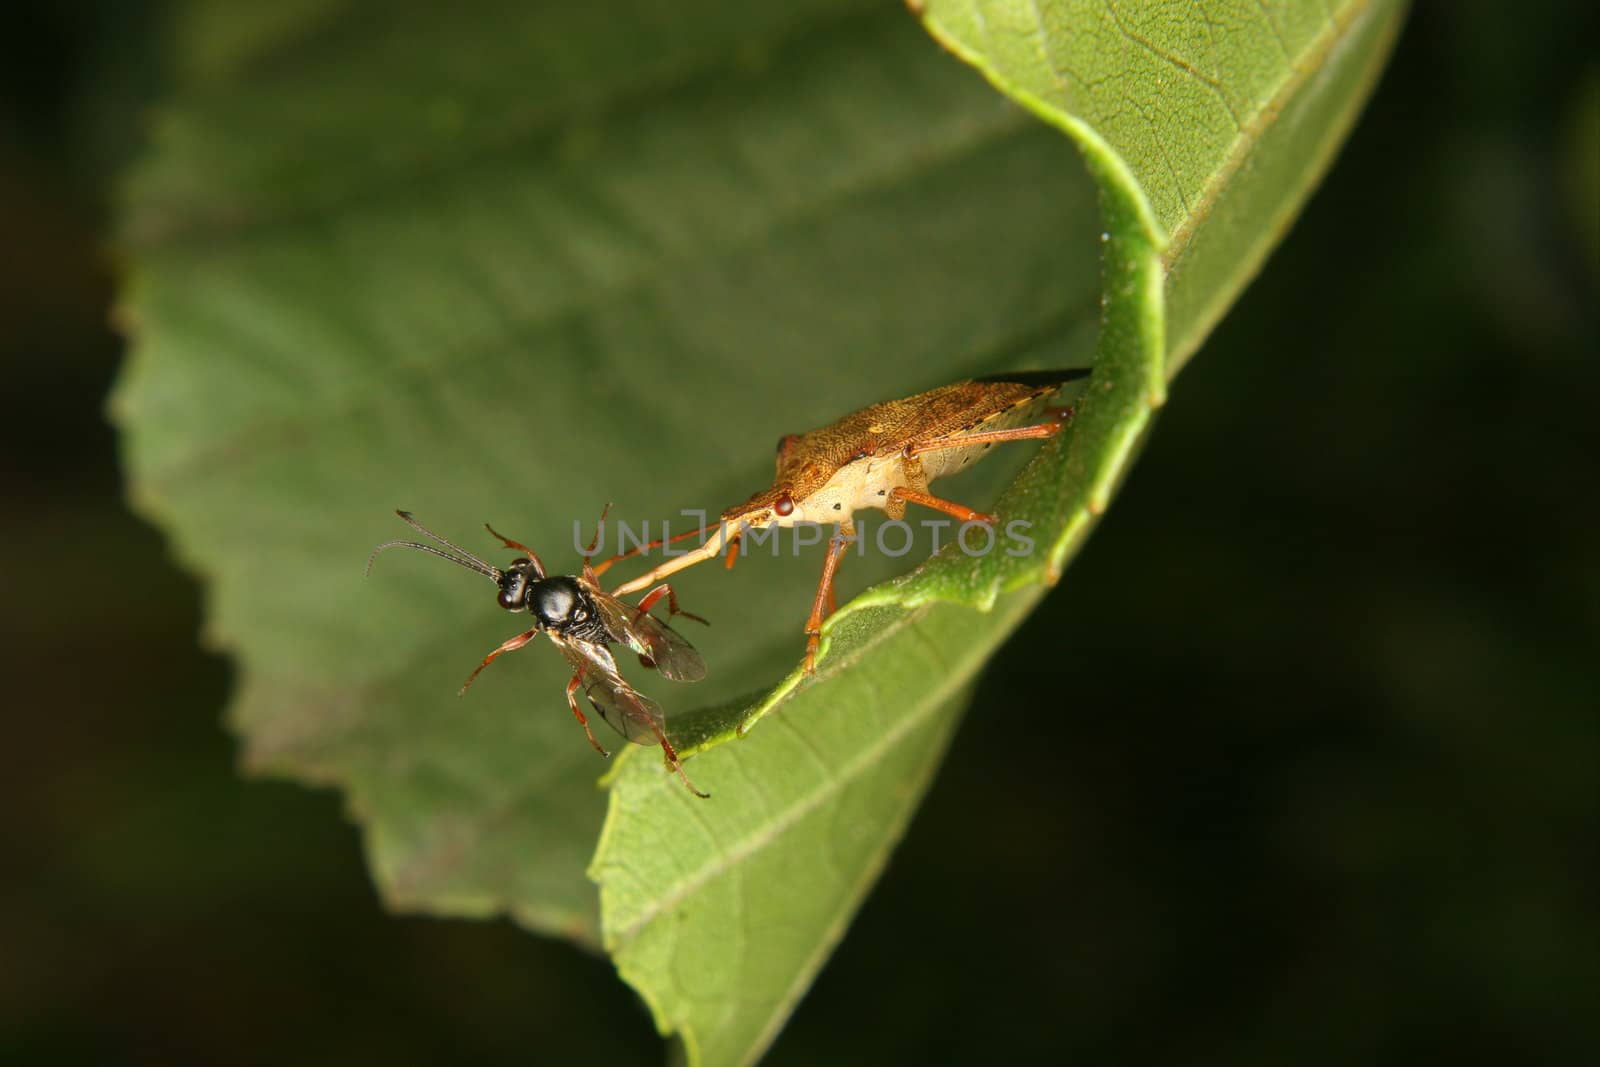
point(667, 650)
point(626, 710)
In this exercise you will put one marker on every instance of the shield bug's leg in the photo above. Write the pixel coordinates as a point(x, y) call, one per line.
point(824, 597)
point(960, 511)
point(710, 548)
point(572, 702)
point(913, 477)
point(511, 645)
point(659, 542)
point(673, 611)
point(669, 756)
point(1018, 433)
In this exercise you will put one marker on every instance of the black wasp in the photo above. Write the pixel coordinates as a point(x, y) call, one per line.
point(583, 621)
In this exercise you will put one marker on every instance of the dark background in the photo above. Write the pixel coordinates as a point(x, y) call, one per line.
point(1322, 790)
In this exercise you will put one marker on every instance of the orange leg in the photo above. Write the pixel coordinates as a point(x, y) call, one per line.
point(1018, 433)
point(673, 611)
point(605, 564)
point(588, 571)
point(824, 598)
point(960, 511)
point(510, 645)
point(518, 546)
point(572, 702)
point(733, 552)
point(669, 755)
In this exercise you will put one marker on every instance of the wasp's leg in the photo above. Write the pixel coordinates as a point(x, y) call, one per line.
point(669, 756)
point(518, 546)
point(673, 611)
point(511, 645)
point(572, 702)
point(594, 542)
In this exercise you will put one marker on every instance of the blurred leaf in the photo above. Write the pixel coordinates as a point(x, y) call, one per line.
point(513, 264)
point(1580, 167)
point(1226, 113)
point(543, 271)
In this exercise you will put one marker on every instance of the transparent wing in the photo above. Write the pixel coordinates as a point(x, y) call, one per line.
point(626, 710)
point(667, 650)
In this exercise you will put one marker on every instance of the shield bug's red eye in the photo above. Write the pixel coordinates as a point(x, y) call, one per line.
point(784, 506)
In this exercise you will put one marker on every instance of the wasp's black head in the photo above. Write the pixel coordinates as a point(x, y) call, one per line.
point(558, 604)
point(515, 582)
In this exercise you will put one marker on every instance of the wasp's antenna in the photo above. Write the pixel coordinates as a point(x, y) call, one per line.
point(463, 558)
point(471, 564)
point(412, 522)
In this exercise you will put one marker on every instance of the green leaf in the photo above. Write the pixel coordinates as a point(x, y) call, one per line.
point(541, 272)
point(721, 913)
point(1225, 113)
point(1190, 207)
point(513, 263)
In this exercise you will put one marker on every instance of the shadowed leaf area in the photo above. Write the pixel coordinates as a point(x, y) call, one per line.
point(512, 264)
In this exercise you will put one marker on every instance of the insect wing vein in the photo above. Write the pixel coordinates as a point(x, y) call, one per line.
point(669, 650)
point(626, 710)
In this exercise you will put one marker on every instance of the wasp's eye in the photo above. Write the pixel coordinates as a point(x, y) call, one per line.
point(785, 505)
point(511, 592)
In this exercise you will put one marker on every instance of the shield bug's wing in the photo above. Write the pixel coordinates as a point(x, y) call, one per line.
point(667, 650)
